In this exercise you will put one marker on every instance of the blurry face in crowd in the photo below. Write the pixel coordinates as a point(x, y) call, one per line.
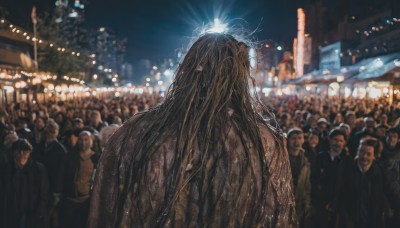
point(51, 133)
point(391, 139)
point(39, 124)
point(337, 143)
point(322, 126)
point(384, 119)
point(346, 130)
point(78, 125)
point(380, 132)
point(313, 140)
point(59, 118)
point(95, 118)
point(85, 142)
point(365, 156)
point(21, 157)
point(295, 143)
point(370, 126)
point(73, 140)
point(351, 120)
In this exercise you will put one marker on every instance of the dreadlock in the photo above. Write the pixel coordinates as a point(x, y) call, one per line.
point(211, 86)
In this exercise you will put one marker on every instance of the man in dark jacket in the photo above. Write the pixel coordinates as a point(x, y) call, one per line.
point(392, 183)
point(324, 175)
point(359, 195)
point(52, 154)
point(23, 190)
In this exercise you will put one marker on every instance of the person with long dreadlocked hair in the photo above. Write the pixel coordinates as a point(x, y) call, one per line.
point(205, 157)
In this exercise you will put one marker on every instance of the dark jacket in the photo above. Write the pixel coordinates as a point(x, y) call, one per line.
point(52, 156)
point(359, 197)
point(323, 185)
point(392, 182)
point(23, 196)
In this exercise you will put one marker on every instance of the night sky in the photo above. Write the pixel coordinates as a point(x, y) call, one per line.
point(157, 28)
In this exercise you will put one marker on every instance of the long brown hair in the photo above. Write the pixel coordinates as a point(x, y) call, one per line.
point(211, 86)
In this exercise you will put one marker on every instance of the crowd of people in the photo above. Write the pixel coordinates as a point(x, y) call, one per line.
point(344, 156)
point(48, 157)
point(345, 159)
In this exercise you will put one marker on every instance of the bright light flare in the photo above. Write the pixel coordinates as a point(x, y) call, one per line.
point(218, 27)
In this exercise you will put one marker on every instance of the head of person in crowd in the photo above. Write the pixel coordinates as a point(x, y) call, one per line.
point(297, 119)
point(85, 142)
point(60, 118)
point(384, 120)
point(285, 120)
point(95, 118)
point(311, 120)
point(78, 124)
point(322, 125)
point(295, 141)
point(380, 130)
point(51, 131)
point(345, 128)
point(337, 141)
point(107, 132)
point(338, 119)
point(350, 119)
point(359, 124)
point(392, 138)
point(369, 124)
point(21, 150)
point(313, 139)
point(376, 114)
point(40, 124)
point(70, 113)
point(366, 152)
point(334, 108)
point(9, 138)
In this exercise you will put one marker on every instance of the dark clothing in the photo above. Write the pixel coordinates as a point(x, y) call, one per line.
point(310, 154)
point(23, 196)
point(359, 196)
point(323, 185)
point(354, 141)
point(392, 185)
point(295, 166)
point(3, 132)
point(388, 153)
point(52, 156)
point(74, 214)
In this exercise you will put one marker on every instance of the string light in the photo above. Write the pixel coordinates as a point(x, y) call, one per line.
point(14, 29)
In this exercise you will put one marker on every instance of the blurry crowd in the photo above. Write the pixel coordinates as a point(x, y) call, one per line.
point(345, 159)
point(344, 156)
point(49, 153)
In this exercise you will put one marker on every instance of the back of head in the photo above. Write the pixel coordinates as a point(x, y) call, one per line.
point(212, 83)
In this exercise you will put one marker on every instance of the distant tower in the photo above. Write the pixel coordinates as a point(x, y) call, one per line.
point(70, 15)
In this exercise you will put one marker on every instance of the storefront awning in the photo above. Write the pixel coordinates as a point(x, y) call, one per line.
point(380, 69)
